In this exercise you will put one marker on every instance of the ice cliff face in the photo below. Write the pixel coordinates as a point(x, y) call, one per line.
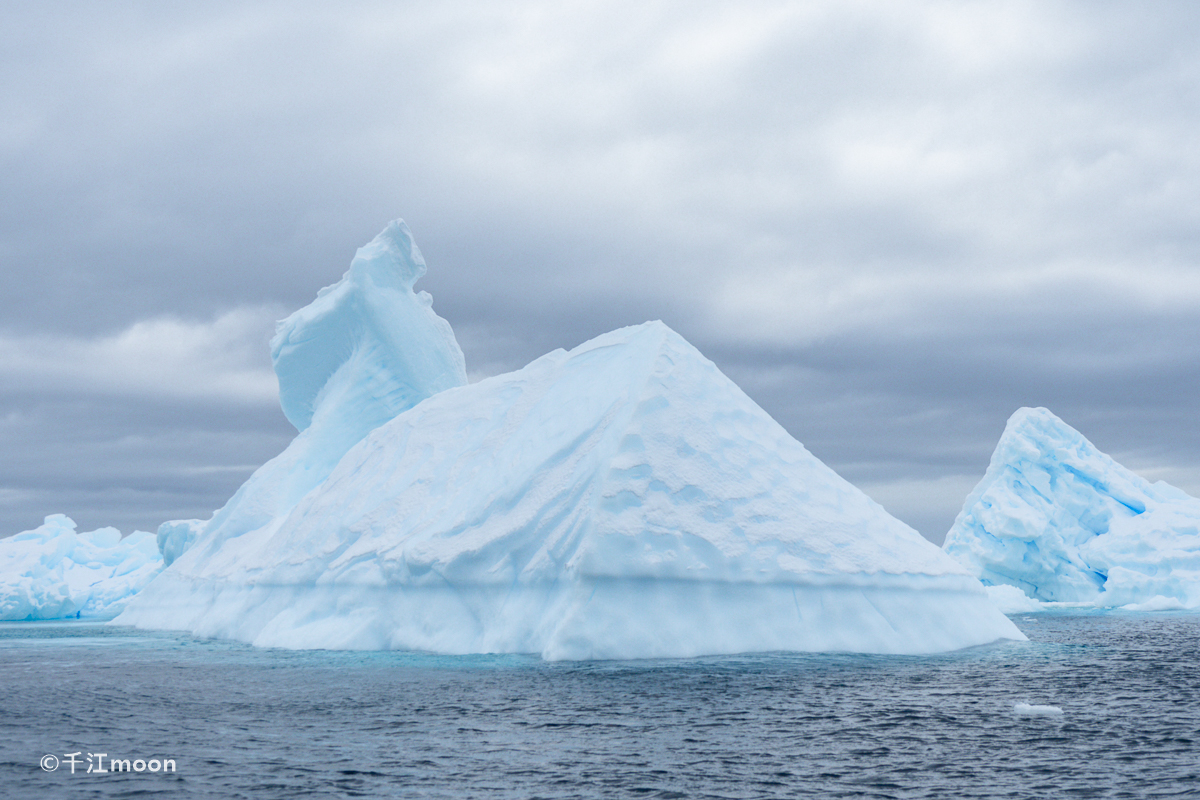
point(621, 500)
point(366, 349)
point(53, 572)
point(1058, 519)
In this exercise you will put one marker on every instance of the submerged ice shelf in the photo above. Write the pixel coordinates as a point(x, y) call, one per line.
point(621, 500)
point(1062, 522)
point(54, 572)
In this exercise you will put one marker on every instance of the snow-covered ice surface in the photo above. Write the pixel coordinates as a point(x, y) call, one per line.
point(1064, 523)
point(366, 349)
point(54, 572)
point(622, 500)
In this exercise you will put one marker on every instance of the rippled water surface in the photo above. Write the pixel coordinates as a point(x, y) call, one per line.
point(247, 723)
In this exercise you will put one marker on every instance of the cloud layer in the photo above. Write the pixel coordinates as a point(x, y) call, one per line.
point(224, 360)
point(892, 223)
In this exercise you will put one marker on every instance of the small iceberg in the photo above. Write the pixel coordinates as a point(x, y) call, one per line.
point(1027, 710)
point(53, 572)
point(1063, 523)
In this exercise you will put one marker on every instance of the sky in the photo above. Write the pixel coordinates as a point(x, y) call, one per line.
point(891, 223)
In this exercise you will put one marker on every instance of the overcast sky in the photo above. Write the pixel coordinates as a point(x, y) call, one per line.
point(892, 223)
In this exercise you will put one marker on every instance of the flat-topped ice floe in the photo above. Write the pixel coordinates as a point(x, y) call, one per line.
point(54, 572)
point(1063, 522)
point(622, 500)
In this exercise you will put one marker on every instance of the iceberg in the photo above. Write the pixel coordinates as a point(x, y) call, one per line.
point(366, 349)
point(53, 572)
point(1065, 523)
point(621, 500)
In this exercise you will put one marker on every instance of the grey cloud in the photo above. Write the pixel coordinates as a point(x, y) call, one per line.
point(888, 412)
point(891, 223)
point(124, 462)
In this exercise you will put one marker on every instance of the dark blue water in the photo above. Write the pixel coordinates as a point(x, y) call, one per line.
point(247, 723)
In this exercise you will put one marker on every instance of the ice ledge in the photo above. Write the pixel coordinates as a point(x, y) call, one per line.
point(593, 618)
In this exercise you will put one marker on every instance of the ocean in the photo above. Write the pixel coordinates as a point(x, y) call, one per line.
point(211, 719)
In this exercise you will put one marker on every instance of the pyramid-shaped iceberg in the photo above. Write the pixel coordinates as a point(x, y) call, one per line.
point(624, 499)
point(1063, 522)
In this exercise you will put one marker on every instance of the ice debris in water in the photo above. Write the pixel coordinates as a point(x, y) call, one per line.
point(622, 500)
point(52, 572)
point(1063, 522)
point(1027, 710)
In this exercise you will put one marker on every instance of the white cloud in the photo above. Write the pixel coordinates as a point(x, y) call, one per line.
point(223, 359)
